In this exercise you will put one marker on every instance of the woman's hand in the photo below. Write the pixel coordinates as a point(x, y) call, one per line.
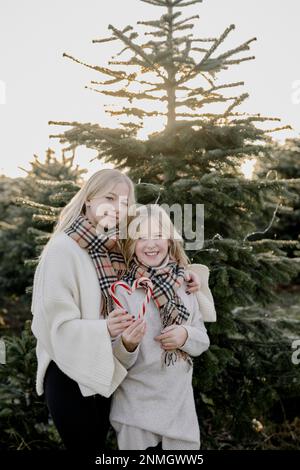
point(118, 320)
point(172, 337)
point(134, 334)
point(193, 282)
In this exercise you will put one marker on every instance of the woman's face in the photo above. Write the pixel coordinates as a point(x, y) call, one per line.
point(108, 210)
point(151, 248)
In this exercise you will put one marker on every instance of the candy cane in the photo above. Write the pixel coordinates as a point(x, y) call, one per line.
point(144, 282)
point(113, 291)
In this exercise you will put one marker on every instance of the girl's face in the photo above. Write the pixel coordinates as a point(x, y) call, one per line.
point(108, 210)
point(151, 248)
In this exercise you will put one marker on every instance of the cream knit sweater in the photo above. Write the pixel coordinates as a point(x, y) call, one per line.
point(66, 306)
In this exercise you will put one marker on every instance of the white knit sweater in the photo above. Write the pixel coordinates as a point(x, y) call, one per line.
point(66, 306)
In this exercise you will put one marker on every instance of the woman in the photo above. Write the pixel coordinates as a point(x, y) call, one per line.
point(73, 319)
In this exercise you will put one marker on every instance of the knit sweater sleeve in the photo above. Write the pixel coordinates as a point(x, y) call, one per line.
point(127, 358)
point(197, 341)
point(80, 347)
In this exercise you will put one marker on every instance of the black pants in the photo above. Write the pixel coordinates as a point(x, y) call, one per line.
point(82, 422)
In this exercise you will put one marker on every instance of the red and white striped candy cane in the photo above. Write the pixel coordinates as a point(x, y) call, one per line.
point(146, 283)
point(113, 291)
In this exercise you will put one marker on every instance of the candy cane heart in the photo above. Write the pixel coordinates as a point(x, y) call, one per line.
point(144, 282)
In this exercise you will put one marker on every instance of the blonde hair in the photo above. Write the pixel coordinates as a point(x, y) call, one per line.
point(144, 213)
point(100, 183)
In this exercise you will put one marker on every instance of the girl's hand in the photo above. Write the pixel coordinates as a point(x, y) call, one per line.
point(172, 337)
point(118, 320)
point(193, 282)
point(134, 334)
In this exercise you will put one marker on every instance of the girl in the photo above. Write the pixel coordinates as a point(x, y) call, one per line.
point(77, 370)
point(154, 405)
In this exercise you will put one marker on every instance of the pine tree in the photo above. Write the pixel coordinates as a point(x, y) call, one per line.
point(196, 159)
point(29, 208)
point(36, 198)
point(283, 163)
point(24, 418)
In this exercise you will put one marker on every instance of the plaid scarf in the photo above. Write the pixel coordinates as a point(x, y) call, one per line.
point(166, 279)
point(105, 253)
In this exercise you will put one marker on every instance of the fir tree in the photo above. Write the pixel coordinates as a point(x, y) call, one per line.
point(283, 163)
point(24, 418)
point(29, 207)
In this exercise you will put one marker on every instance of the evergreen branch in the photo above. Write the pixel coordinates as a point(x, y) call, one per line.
point(36, 232)
point(250, 184)
point(254, 119)
point(269, 241)
point(62, 184)
point(204, 60)
point(135, 112)
point(124, 94)
point(287, 127)
point(204, 40)
point(197, 122)
point(156, 44)
point(133, 79)
point(238, 61)
point(6, 226)
point(44, 219)
point(242, 47)
point(202, 91)
point(236, 103)
point(193, 103)
point(199, 49)
point(216, 44)
point(179, 3)
point(185, 20)
point(42, 208)
point(107, 82)
point(112, 38)
point(137, 49)
point(219, 154)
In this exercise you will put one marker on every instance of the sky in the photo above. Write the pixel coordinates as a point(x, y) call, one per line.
point(37, 84)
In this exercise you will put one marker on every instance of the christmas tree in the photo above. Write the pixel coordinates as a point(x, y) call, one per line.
point(197, 157)
point(29, 208)
point(36, 198)
point(283, 163)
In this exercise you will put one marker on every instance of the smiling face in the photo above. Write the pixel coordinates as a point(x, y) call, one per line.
point(109, 209)
point(152, 246)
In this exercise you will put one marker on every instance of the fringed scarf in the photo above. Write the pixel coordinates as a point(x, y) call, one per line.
point(166, 279)
point(105, 253)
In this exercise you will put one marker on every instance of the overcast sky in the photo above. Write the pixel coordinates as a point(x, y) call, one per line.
point(40, 85)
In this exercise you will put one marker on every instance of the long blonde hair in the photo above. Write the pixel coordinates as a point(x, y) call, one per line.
point(143, 213)
point(100, 183)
